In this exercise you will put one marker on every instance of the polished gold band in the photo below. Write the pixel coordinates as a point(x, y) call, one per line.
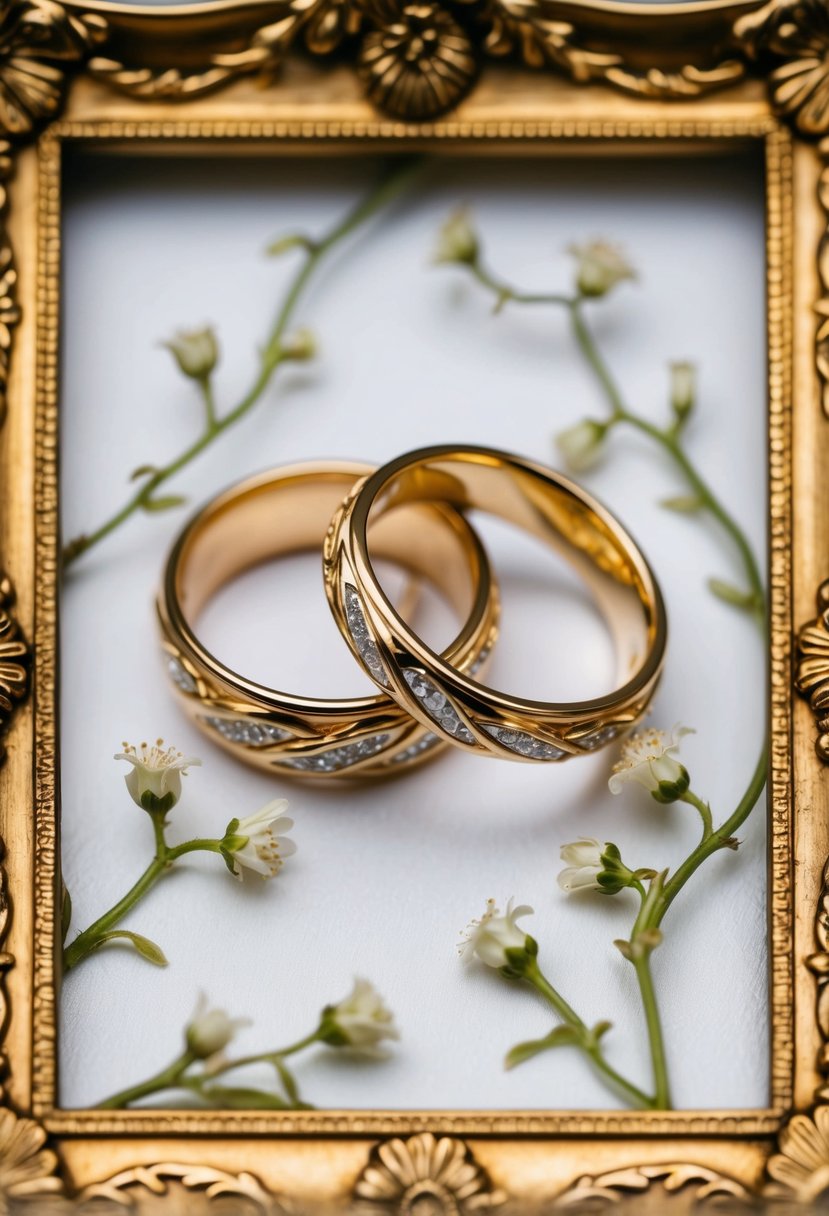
point(286, 511)
point(429, 686)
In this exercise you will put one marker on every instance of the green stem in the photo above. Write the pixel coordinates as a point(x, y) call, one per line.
point(658, 900)
point(268, 1057)
point(641, 958)
point(668, 440)
point(272, 357)
point(168, 1078)
point(647, 992)
point(704, 812)
point(174, 1078)
point(589, 1045)
point(165, 857)
point(89, 939)
point(210, 417)
point(720, 838)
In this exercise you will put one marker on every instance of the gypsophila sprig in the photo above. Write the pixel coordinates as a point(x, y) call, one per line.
point(255, 842)
point(360, 1022)
point(649, 760)
point(497, 941)
point(196, 353)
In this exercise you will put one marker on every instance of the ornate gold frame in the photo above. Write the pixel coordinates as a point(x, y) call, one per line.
point(450, 76)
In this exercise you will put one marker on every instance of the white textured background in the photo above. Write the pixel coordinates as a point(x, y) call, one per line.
point(386, 877)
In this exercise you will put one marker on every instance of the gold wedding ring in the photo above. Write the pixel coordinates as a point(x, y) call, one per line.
point(451, 702)
point(285, 511)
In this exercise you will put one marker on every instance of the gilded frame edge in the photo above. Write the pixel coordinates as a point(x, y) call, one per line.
point(15, 1125)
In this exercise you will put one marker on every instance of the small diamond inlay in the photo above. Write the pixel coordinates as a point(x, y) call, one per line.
point(179, 675)
point(337, 758)
point(365, 643)
point(251, 734)
point(598, 738)
point(522, 744)
point(437, 705)
point(416, 749)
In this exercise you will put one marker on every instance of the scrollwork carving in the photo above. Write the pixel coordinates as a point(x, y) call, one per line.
point(695, 1184)
point(177, 1188)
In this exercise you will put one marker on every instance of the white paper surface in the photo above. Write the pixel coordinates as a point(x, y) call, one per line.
point(386, 877)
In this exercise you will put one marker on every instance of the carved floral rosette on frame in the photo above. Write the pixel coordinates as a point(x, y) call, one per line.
point(415, 62)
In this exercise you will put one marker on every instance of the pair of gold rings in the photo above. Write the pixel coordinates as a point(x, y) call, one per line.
point(413, 512)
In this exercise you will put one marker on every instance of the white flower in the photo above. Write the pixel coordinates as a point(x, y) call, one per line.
point(494, 934)
point(196, 351)
point(648, 759)
point(584, 864)
point(683, 388)
point(210, 1030)
point(361, 1020)
point(155, 781)
point(599, 267)
point(458, 241)
point(582, 445)
point(256, 842)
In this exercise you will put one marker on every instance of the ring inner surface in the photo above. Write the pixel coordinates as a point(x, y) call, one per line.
point(273, 518)
point(585, 535)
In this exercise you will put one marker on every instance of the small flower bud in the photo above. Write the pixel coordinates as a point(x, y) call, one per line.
point(210, 1030)
point(300, 346)
point(683, 388)
point(195, 351)
point(285, 244)
point(582, 445)
point(593, 867)
point(599, 267)
point(458, 242)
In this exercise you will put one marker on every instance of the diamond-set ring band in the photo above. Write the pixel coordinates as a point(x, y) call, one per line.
point(452, 703)
point(284, 511)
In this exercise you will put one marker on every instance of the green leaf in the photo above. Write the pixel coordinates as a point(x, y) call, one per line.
point(683, 504)
point(165, 503)
point(65, 911)
point(239, 1097)
point(732, 595)
point(561, 1036)
point(143, 470)
point(147, 949)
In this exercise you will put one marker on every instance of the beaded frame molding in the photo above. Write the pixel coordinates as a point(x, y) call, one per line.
point(284, 77)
